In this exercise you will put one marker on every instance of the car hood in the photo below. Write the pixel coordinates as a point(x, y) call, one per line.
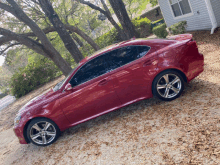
point(37, 100)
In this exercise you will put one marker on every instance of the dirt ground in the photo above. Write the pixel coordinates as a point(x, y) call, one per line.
point(183, 131)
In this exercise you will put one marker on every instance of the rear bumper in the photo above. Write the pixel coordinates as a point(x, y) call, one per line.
point(19, 133)
point(196, 69)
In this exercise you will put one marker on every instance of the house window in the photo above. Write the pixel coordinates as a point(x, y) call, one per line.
point(180, 7)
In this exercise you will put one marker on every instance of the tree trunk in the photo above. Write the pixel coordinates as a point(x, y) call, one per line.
point(122, 15)
point(107, 13)
point(83, 35)
point(110, 18)
point(61, 30)
point(121, 33)
point(61, 64)
point(76, 38)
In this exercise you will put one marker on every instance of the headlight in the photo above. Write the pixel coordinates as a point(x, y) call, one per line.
point(16, 120)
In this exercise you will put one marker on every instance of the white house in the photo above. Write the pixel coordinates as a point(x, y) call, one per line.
point(199, 14)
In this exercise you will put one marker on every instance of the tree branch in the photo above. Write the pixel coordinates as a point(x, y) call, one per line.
point(9, 46)
point(70, 28)
point(108, 15)
point(46, 30)
point(30, 43)
point(35, 2)
point(7, 8)
point(4, 40)
point(74, 29)
point(92, 6)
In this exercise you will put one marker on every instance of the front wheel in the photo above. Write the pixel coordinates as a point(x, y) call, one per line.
point(42, 132)
point(168, 85)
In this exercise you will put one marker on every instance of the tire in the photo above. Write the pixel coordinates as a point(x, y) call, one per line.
point(168, 85)
point(42, 132)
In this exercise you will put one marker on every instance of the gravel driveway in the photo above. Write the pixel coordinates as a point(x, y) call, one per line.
point(183, 131)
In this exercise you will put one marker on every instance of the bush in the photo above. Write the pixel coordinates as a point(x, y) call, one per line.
point(160, 31)
point(108, 38)
point(178, 28)
point(33, 76)
point(142, 26)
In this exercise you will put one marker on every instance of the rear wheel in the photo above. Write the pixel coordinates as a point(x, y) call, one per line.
point(42, 132)
point(168, 85)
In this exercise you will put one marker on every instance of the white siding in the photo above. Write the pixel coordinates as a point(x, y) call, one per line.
point(199, 20)
point(216, 10)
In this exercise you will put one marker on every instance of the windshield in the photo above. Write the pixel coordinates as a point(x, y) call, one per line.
point(60, 84)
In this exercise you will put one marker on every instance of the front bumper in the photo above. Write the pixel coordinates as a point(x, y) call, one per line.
point(19, 133)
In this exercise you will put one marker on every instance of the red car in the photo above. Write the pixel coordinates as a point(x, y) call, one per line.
point(112, 78)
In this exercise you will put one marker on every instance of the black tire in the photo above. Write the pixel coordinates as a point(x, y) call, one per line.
point(168, 90)
point(42, 132)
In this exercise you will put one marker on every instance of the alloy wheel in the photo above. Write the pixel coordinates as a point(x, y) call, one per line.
point(169, 86)
point(43, 132)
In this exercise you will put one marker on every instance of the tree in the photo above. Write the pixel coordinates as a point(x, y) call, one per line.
point(119, 9)
point(61, 30)
point(154, 2)
point(135, 6)
point(44, 47)
point(69, 13)
point(23, 28)
point(107, 13)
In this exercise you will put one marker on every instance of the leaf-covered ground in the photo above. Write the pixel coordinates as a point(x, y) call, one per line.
point(184, 131)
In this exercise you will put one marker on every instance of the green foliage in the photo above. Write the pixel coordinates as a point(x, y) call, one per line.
point(154, 2)
point(142, 26)
point(108, 38)
point(160, 31)
point(143, 6)
point(178, 28)
point(135, 6)
point(33, 76)
point(94, 23)
point(104, 40)
point(5, 76)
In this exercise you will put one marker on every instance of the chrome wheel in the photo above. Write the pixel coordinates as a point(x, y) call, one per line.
point(169, 86)
point(43, 132)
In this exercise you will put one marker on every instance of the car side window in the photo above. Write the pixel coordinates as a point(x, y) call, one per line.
point(94, 68)
point(125, 55)
point(142, 50)
point(120, 57)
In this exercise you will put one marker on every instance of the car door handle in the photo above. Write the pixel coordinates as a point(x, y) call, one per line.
point(103, 82)
point(147, 63)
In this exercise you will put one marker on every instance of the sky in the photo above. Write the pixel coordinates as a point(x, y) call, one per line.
point(2, 59)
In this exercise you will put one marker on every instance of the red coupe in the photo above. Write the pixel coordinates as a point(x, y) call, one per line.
point(111, 78)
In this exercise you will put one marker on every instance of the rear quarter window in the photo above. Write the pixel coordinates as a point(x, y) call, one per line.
point(142, 50)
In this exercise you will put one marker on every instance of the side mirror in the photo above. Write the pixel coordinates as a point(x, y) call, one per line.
point(68, 87)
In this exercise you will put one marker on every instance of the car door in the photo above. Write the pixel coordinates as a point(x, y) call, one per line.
point(129, 67)
point(93, 92)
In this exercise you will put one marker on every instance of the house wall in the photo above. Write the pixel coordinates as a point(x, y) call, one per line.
point(198, 20)
point(154, 14)
point(216, 9)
